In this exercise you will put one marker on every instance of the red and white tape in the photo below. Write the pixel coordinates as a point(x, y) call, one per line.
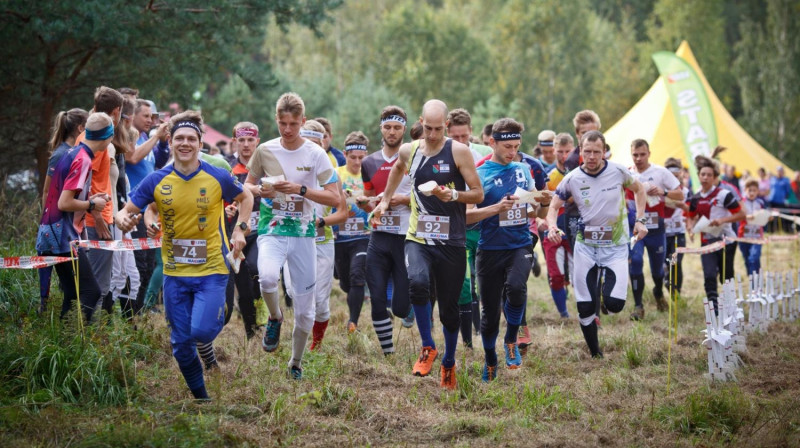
point(116, 245)
point(31, 262)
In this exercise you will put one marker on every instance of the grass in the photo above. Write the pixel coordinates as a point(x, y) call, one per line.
point(113, 385)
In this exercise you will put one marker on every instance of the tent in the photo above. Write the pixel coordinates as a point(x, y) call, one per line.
point(213, 136)
point(652, 119)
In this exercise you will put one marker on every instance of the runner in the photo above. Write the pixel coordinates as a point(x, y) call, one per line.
point(352, 236)
point(752, 204)
point(601, 249)
point(246, 280)
point(675, 226)
point(558, 256)
point(435, 242)
point(505, 248)
point(189, 196)
point(720, 206)
point(385, 263)
point(287, 224)
point(546, 146)
point(67, 202)
point(659, 184)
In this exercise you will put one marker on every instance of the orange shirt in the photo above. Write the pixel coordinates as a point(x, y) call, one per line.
point(101, 182)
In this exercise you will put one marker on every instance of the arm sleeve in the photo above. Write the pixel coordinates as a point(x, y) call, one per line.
point(627, 178)
point(254, 166)
point(231, 187)
point(731, 203)
point(670, 181)
point(161, 153)
point(692, 204)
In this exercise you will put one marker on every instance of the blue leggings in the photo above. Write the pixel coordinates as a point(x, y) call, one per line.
point(752, 257)
point(195, 311)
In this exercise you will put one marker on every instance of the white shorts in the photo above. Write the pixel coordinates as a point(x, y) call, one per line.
point(322, 291)
point(614, 258)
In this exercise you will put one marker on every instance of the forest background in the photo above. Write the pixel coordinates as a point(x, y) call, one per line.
point(538, 61)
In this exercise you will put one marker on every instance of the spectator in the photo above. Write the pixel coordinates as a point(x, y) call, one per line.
point(763, 183)
point(780, 189)
point(795, 188)
point(335, 154)
point(222, 145)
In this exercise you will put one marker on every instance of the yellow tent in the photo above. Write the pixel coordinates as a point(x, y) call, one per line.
point(652, 119)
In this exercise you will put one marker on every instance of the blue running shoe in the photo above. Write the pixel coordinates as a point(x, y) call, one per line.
point(513, 358)
point(489, 373)
point(272, 337)
point(295, 373)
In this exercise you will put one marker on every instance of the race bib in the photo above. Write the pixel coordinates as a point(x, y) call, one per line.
point(292, 207)
point(390, 222)
point(254, 221)
point(673, 225)
point(190, 251)
point(320, 237)
point(433, 227)
point(515, 216)
point(598, 235)
point(652, 220)
point(752, 232)
point(352, 227)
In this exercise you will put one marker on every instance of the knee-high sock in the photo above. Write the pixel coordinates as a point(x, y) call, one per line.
point(658, 285)
point(423, 314)
point(560, 299)
point(206, 352)
point(355, 300)
point(590, 334)
point(450, 344)
point(193, 374)
point(383, 329)
point(299, 339)
point(465, 312)
point(513, 319)
point(637, 285)
point(271, 299)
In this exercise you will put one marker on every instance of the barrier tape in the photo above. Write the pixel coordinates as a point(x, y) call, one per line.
point(31, 262)
point(702, 250)
point(117, 245)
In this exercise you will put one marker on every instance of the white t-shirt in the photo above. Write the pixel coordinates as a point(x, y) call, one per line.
point(307, 165)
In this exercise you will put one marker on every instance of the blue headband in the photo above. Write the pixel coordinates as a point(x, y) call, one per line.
point(355, 147)
point(504, 136)
point(186, 124)
point(396, 118)
point(100, 134)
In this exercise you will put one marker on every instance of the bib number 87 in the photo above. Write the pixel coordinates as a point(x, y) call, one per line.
point(598, 236)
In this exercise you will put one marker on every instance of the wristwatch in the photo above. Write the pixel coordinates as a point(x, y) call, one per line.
point(642, 220)
point(303, 190)
point(241, 225)
point(91, 206)
point(321, 222)
point(455, 196)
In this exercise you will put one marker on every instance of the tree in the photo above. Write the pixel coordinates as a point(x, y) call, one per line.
point(768, 69)
point(56, 58)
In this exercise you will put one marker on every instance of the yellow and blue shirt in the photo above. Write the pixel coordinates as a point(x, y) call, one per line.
point(191, 211)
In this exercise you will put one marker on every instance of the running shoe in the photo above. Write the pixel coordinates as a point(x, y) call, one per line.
point(565, 315)
point(448, 377)
point(424, 364)
point(408, 321)
point(638, 313)
point(524, 336)
point(661, 304)
point(598, 355)
point(272, 337)
point(351, 327)
point(318, 333)
point(489, 373)
point(295, 373)
point(536, 267)
point(513, 358)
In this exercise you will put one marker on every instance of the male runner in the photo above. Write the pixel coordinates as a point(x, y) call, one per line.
point(601, 249)
point(189, 196)
point(287, 222)
point(505, 248)
point(659, 183)
point(385, 262)
point(546, 146)
point(436, 238)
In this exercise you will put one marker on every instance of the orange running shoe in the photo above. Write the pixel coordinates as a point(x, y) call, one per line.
point(524, 337)
point(424, 364)
point(351, 327)
point(448, 377)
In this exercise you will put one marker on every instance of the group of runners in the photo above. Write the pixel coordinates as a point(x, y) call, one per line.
point(438, 221)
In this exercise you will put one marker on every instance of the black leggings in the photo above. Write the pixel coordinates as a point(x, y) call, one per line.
point(89, 290)
point(446, 265)
point(501, 272)
point(350, 260)
point(713, 269)
point(385, 260)
point(246, 282)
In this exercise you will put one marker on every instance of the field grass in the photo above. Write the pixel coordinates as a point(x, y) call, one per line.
point(111, 385)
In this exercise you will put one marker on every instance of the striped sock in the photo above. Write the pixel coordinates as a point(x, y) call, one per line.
point(383, 329)
point(206, 352)
point(193, 374)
